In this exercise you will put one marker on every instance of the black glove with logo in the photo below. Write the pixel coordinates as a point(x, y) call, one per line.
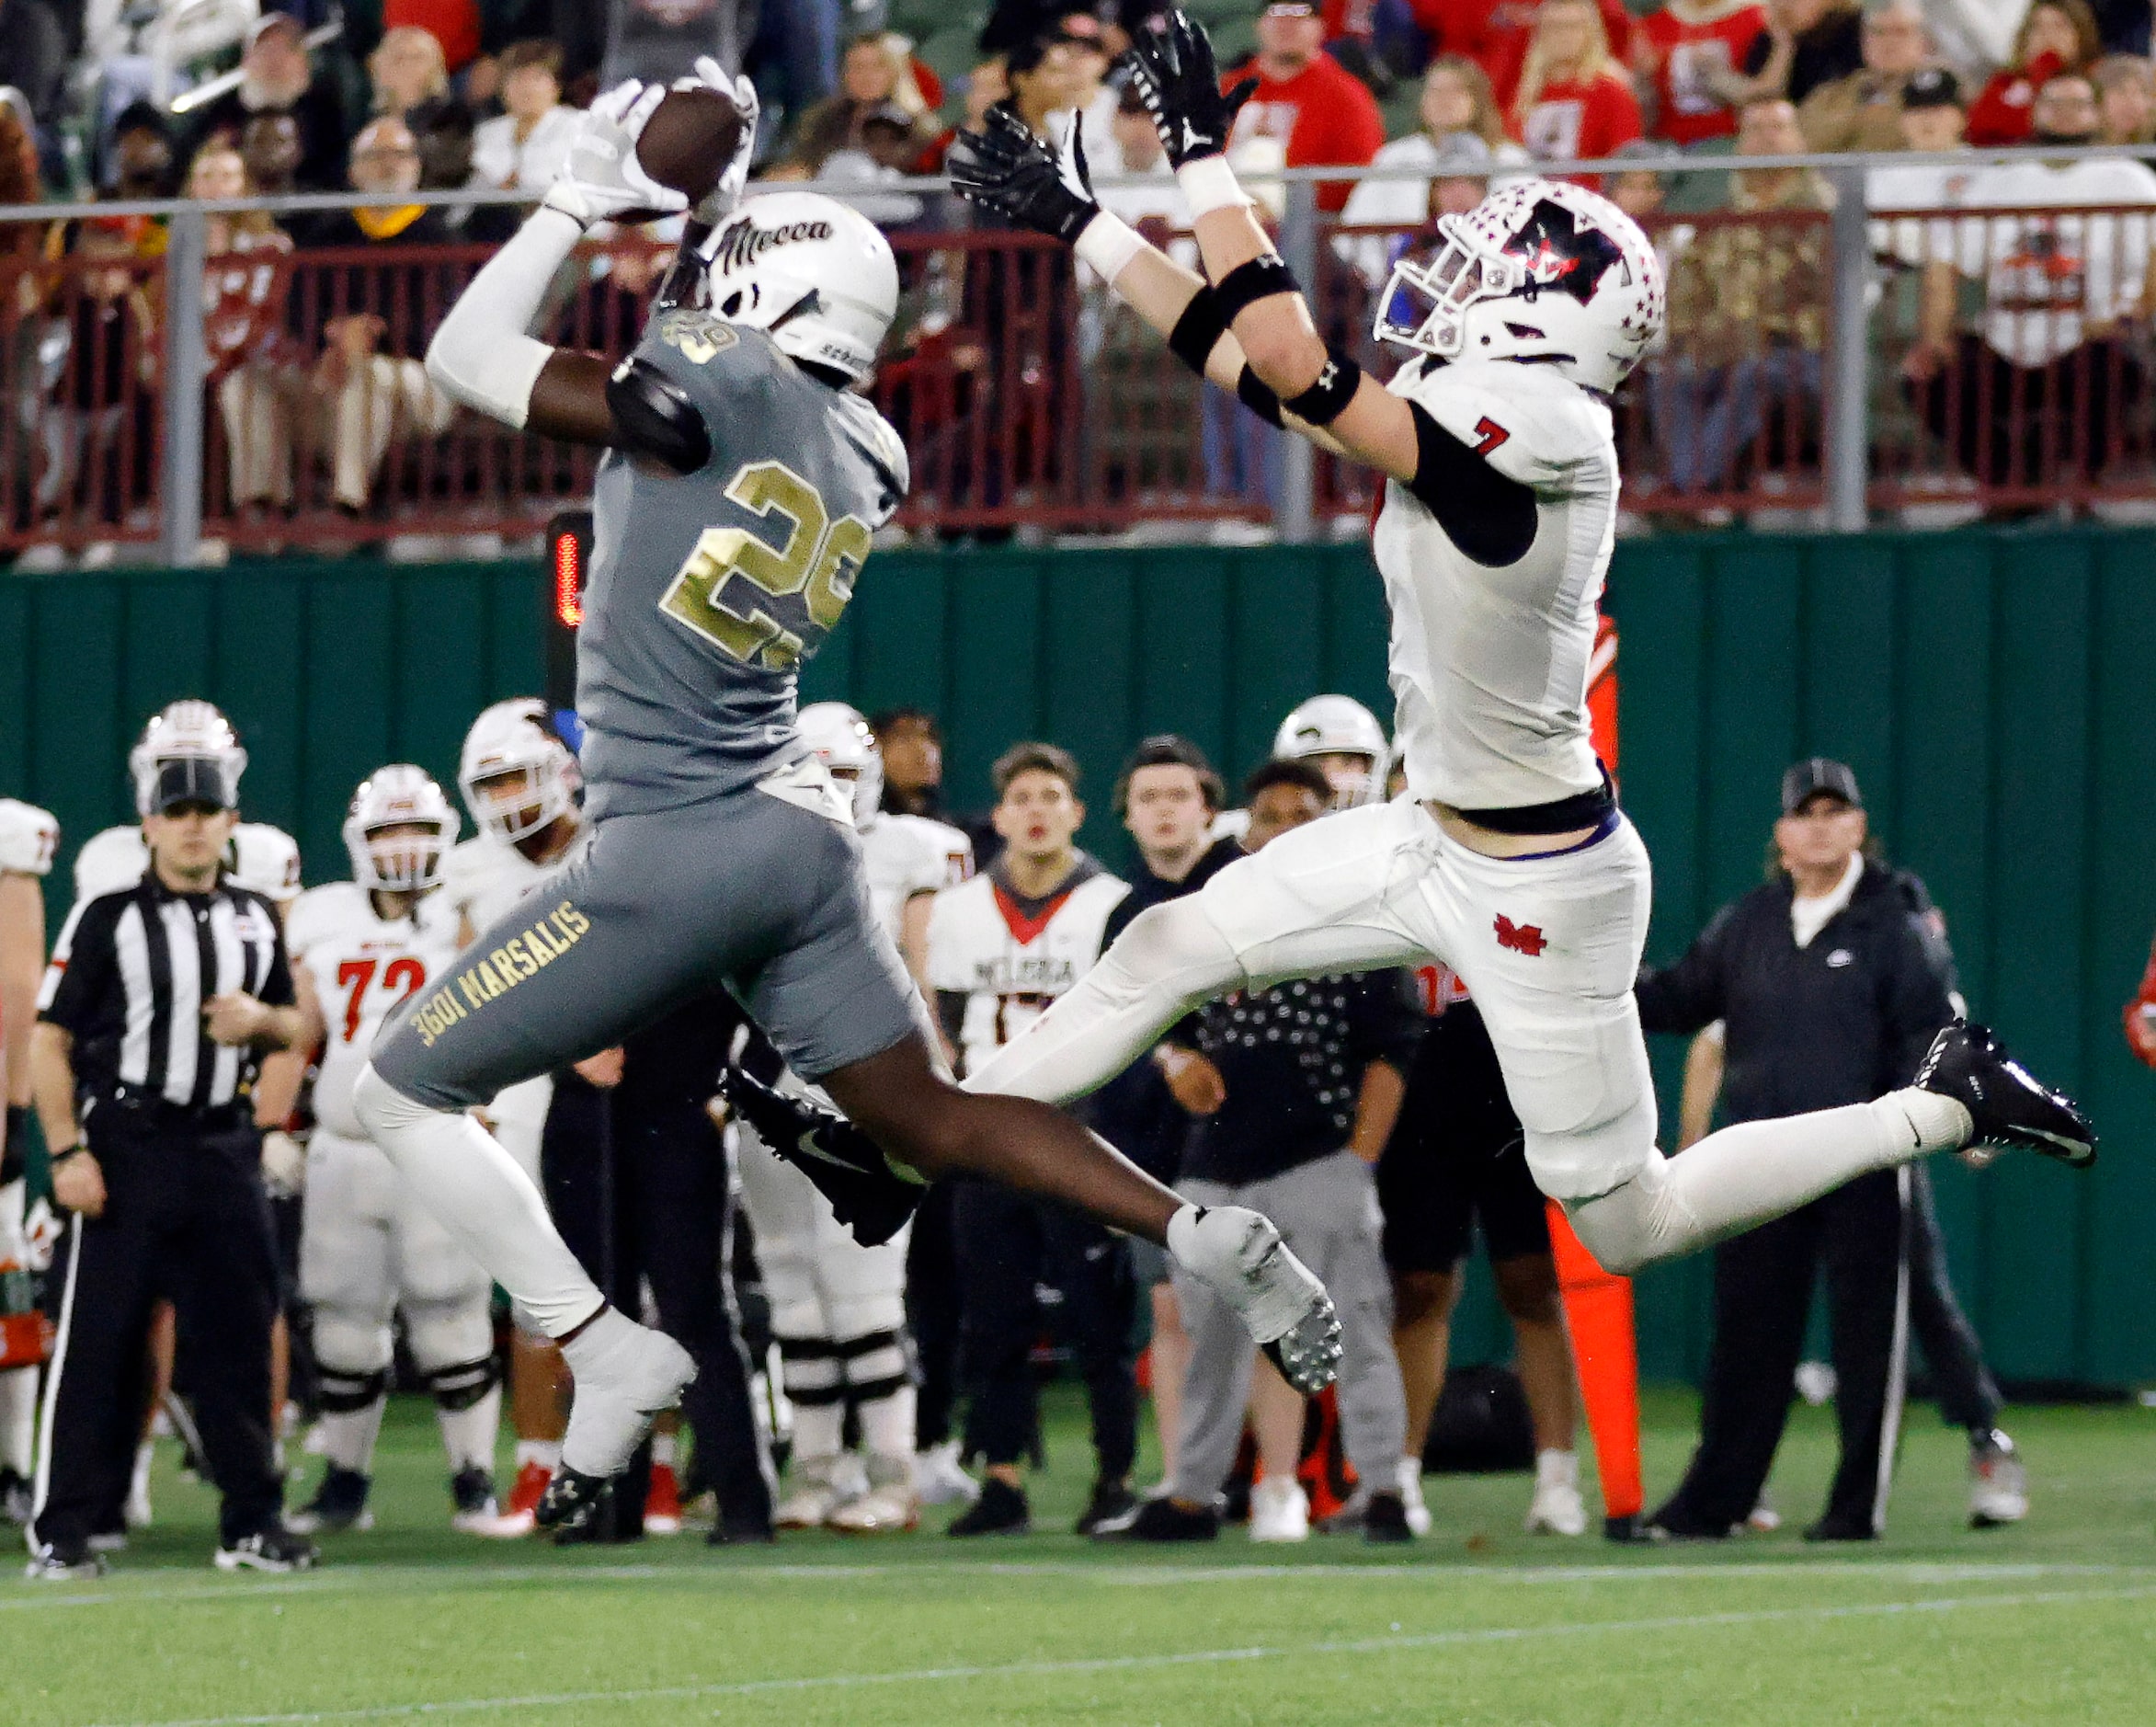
point(1179, 81)
point(1005, 169)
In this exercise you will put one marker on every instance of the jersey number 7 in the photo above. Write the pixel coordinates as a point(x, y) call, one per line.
point(820, 556)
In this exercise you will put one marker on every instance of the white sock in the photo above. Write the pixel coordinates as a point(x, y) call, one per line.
point(18, 1420)
point(886, 1424)
point(468, 1435)
point(546, 1453)
point(1554, 1468)
point(665, 1448)
point(818, 1429)
point(1170, 957)
point(484, 1199)
point(1757, 1171)
point(348, 1435)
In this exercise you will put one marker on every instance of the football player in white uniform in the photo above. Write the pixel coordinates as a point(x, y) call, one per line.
point(29, 838)
point(267, 861)
point(520, 781)
point(370, 1249)
point(1510, 861)
point(838, 1308)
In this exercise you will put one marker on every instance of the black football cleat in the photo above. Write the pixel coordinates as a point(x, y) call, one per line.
point(2009, 1105)
point(572, 1499)
point(867, 1193)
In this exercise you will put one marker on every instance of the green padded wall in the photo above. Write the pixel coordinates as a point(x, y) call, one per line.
point(1988, 688)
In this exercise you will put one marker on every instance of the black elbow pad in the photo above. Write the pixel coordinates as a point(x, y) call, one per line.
point(656, 418)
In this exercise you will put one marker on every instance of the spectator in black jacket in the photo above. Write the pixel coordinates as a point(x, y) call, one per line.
point(277, 77)
point(1167, 796)
point(1831, 992)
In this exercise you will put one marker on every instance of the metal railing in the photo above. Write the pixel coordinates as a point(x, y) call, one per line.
point(274, 396)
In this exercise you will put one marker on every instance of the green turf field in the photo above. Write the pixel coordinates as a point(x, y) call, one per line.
point(2052, 1621)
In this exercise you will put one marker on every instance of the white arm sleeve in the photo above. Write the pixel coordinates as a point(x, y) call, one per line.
point(480, 356)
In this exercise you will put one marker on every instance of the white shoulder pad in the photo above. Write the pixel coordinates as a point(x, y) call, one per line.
point(464, 871)
point(938, 855)
point(110, 863)
point(882, 442)
point(267, 860)
point(1230, 824)
point(948, 959)
point(1527, 422)
point(321, 913)
point(28, 837)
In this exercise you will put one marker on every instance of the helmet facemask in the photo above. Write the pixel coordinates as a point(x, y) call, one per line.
point(1424, 307)
point(518, 801)
point(401, 857)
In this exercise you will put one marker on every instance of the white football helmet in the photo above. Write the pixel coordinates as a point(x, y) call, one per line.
point(1337, 726)
point(817, 276)
point(516, 774)
point(1540, 270)
point(189, 749)
point(842, 741)
point(400, 796)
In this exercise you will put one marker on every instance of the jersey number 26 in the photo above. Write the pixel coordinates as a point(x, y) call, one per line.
point(820, 556)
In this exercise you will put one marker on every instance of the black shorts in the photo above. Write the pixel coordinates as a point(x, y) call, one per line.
point(1458, 1154)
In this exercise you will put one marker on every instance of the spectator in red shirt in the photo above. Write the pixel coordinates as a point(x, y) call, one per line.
point(1495, 34)
point(1317, 109)
point(1574, 99)
point(2058, 36)
point(1689, 49)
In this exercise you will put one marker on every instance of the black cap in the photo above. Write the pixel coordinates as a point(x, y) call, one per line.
point(1931, 87)
point(191, 780)
point(1816, 776)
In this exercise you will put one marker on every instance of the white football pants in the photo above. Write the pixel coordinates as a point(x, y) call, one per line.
point(1547, 945)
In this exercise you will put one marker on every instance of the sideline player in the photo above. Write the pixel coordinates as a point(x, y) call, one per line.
point(739, 497)
point(519, 782)
point(29, 838)
point(838, 1308)
point(1511, 862)
point(1340, 738)
point(370, 1249)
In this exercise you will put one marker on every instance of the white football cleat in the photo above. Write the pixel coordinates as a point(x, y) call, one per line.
point(1238, 1255)
point(1280, 1511)
point(1557, 1508)
point(1411, 1497)
point(940, 1481)
point(626, 1377)
point(1997, 1484)
point(886, 1505)
point(820, 1486)
point(137, 1513)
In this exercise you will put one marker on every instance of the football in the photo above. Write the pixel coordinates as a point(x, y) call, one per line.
point(688, 140)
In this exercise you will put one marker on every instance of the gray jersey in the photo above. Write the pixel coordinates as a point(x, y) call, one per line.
point(708, 591)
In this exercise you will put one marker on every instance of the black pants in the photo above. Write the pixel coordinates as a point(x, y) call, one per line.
point(185, 1218)
point(2033, 425)
point(1968, 1396)
point(1762, 1297)
point(1009, 1247)
point(933, 1311)
point(637, 1182)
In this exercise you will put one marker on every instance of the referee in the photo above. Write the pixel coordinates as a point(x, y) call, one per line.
point(159, 1003)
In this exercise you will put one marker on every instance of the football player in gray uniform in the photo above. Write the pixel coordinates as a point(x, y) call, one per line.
point(743, 483)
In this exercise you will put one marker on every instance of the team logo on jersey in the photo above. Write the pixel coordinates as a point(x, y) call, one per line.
point(1562, 256)
point(1522, 938)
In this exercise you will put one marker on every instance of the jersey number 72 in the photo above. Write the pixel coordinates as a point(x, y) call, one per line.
point(819, 560)
point(356, 975)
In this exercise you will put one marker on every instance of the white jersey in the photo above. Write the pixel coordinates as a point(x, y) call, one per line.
point(904, 855)
point(486, 876)
point(259, 857)
point(1010, 966)
point(364, 967)
point(28, 837)
point(1489, 666)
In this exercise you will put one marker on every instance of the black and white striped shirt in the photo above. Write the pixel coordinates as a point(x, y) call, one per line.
point(130, 975)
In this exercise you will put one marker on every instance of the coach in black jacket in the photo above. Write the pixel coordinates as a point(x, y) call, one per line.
point(1832, 993)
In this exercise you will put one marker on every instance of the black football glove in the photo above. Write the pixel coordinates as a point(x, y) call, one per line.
point(1005, 169)
point(1177, 78)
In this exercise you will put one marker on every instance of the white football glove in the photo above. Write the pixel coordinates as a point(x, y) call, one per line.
point(741, 92)
point(602, 178)
point(42, 1230)
point(284, 1164)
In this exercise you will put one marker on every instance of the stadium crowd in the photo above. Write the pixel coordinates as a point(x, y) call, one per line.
point(227, 1183)
point(2010, 350)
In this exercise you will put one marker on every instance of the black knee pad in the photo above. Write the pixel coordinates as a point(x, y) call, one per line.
point(461, 1385)
point(344, 1392)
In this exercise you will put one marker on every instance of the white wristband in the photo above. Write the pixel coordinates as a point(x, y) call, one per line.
point(1209, 184)
point(1108, 244)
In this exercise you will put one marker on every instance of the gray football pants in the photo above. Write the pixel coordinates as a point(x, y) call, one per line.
point(1328, 1210)
point(746, 890)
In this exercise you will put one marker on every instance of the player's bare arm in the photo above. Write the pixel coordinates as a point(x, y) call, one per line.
point(483, 357)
